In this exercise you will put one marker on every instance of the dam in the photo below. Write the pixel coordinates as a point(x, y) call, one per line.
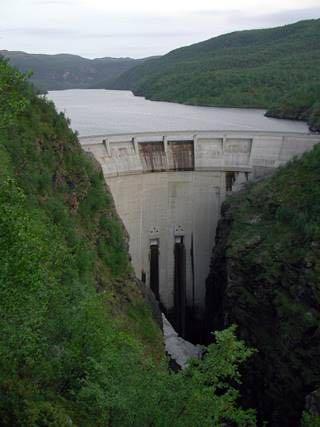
point(168, 188)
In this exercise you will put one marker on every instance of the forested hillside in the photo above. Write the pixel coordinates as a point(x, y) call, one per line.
point(302, 103)
point(64, 71)
point(256, 68)
point(78, 344)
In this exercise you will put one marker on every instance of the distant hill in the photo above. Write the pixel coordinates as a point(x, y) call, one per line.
point(64, 71)
point(107, 82)
point(253, 68)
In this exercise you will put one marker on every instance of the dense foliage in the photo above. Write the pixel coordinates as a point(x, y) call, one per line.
point(78, 345)
point(301, 104)
point(53, 72)
point(253, 68)
point(267, 273)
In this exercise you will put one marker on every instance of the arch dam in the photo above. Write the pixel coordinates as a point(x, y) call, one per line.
point(168, 188)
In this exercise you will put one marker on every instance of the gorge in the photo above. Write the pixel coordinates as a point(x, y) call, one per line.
point(159, 213)
point(168, 190)
point(160, 179)
point(79, 344)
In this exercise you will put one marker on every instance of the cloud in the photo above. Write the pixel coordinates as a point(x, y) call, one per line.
point(279, 18)
point(40, 32)
point(62, 32)
point(247, 16)
point(141, 34)
point(216, 12)
point(54, 2)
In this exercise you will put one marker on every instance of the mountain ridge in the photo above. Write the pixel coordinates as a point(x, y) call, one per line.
point(68, 71)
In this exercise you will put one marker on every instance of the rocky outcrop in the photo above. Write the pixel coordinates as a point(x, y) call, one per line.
point(313, 403)
point(217, 279)
point(179, 350)
point(264, 277)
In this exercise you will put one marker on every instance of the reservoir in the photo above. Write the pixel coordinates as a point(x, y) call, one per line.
point(98, 111)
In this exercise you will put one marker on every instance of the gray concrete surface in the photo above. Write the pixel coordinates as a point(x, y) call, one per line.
point(169, 184)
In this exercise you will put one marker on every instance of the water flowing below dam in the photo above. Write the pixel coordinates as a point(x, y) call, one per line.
point(168, 188)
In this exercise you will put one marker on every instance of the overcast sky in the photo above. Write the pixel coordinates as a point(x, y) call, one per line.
point(136, 28)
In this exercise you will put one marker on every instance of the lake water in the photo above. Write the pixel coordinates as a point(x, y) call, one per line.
point(97, 111)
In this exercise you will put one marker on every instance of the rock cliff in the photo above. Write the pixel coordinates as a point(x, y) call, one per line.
point(265, 278)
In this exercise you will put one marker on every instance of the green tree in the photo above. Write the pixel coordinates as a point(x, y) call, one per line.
point(205, 394)
point(13, 88)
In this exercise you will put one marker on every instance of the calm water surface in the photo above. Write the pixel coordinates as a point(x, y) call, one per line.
point(97, 111)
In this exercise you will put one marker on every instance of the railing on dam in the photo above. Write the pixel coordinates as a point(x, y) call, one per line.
point(122, 154)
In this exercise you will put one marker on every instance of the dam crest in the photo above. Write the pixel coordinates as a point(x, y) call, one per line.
point(168, 188)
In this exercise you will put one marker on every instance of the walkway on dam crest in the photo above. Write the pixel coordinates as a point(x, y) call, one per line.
point(197, 150)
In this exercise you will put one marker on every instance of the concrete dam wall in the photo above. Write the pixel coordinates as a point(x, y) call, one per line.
point(168, 189)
